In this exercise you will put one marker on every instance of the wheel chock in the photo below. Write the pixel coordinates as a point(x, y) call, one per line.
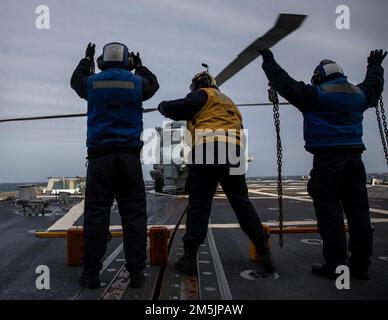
point(74, 246)
point(159, 245)
point(253, 254)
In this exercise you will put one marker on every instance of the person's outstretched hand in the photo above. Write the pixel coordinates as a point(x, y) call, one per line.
point(90, 51)
point(266, 53)
point(377, 56)
point(136, 60)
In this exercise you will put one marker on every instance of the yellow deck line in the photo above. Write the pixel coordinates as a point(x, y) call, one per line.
point(117, 229)
point(236, 225)
point(68, 220)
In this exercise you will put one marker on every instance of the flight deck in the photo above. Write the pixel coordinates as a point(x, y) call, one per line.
point(225, 268)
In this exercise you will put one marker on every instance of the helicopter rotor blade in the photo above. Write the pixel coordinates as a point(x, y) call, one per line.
point(60, 116)
point(285, 24)
point(79, 115)
point(261, 104)
point(57, 116)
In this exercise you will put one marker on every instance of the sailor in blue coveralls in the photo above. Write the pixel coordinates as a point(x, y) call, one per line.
point(115, 123)
point(333, 110)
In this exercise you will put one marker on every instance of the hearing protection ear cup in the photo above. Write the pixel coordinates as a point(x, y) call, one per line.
point(319, 74)
point(206, 81)
point(325, 70)
point(100, 62)
point(202, 80)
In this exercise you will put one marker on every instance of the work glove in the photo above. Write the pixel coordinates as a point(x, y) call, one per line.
point(377, 56)
point(135, 60)
point(90, 51)
point(266, 53)
point(160, 106)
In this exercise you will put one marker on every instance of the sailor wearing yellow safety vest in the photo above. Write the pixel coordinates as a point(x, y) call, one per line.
point(213, 119)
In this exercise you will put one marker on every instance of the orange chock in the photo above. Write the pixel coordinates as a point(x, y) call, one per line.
point(74, 246)
point(254, 255)
point(159, 245)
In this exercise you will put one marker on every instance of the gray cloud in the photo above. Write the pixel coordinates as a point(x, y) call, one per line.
point(174, 37)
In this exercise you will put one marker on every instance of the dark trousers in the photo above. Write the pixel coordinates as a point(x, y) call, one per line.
point(115, 175)
point(337, 185)
point(201, 185)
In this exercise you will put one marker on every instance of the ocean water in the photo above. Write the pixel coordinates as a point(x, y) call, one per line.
point(8, 187)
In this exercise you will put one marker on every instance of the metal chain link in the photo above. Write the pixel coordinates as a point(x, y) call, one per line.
point(273, 97)
point(382, 124)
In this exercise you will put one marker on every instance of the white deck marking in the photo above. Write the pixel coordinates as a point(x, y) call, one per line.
point(69, 218)
point(378, 210)
point(220, 273)
point(112, 257)
point(221, 196)
point(236, 225)
point(310, 200)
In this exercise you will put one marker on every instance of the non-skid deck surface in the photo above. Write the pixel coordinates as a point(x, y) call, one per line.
point(225, 270)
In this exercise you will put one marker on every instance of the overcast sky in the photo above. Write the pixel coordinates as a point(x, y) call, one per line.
point(173, 37)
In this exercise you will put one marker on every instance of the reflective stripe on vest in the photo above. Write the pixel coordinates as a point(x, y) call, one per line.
point(115, 112)
point(336, 121)
point(219, 119)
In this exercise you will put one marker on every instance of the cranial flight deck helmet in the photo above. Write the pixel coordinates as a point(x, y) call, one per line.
point(203, 79)
point(114, 55)
point(325, 71)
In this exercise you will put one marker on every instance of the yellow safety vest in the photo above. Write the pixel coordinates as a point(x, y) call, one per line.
point(219, 113)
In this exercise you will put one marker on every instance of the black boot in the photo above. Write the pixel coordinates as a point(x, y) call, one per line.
point(323, 270)
point(136, 279)
point(90, 278)
point(266, 257)
point(187, 264)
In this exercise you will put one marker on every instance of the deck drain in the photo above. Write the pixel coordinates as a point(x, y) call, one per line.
point(207, 273)
point(203, 261)
point(111, 270)
point(255, 275)
point(120, 260)
point(385, 259)
point(315, 242)
point(204, 252)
